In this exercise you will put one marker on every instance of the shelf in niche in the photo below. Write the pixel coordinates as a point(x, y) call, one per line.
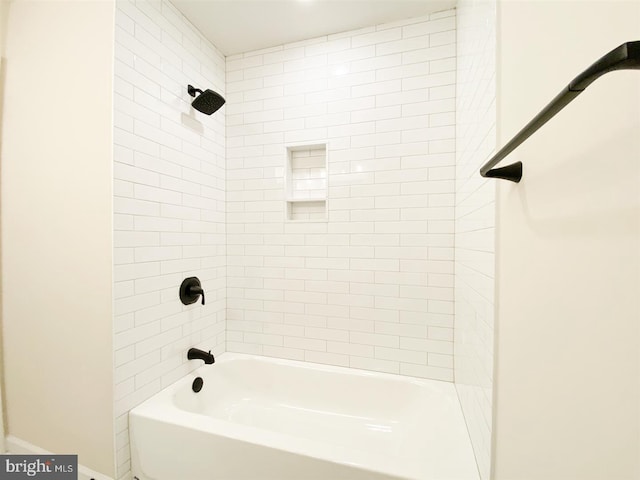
point(305, 200)
point(306, 183)
point(307, 211)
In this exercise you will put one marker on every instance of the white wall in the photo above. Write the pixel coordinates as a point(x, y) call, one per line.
point(475, 221)
point(169, 204)
point(4, 16)
point(56, 228)
point(567, 382)
point(372, 287)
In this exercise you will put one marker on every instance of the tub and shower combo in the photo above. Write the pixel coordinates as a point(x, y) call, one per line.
point(258, 418)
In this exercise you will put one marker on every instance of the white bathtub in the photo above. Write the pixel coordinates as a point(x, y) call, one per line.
point(259, 418)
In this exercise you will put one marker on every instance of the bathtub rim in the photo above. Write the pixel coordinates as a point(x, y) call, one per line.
point(323, 367)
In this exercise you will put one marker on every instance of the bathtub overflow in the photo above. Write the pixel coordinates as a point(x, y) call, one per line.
point(197, 384)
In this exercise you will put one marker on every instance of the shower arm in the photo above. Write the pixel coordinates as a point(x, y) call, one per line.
point(624, 57)
point(192, 90)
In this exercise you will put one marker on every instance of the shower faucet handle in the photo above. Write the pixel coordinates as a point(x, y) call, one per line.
point(195, 290)
point(190, 290)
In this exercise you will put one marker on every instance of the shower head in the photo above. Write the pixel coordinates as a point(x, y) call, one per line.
point(206, 102)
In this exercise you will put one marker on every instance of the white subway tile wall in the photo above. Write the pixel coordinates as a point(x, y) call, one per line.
point(475, 222)
point(169, 204)
point(371, 287)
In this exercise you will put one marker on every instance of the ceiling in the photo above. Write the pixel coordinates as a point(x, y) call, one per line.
point(237, 26)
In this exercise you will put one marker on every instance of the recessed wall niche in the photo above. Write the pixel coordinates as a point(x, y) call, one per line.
point(306, 183)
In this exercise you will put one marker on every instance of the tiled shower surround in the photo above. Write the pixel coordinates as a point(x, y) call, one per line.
point(372, 286)
point(475, 222)
point(169, 204)
point(320, 206)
